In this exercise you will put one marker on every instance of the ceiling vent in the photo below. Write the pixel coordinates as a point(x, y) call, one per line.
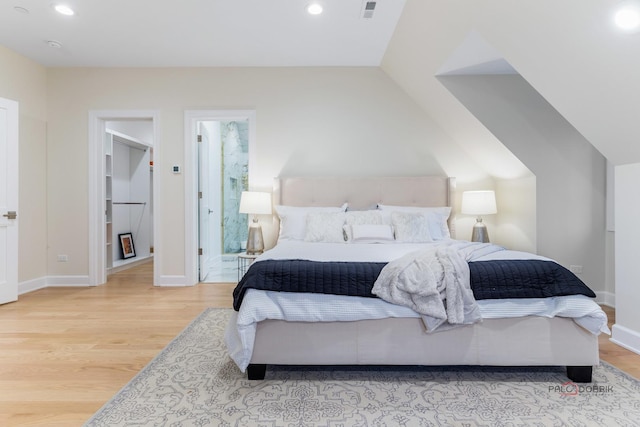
point(368, 7)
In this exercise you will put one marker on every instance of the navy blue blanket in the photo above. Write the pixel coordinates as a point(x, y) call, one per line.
point(501, 279)
point(489, 279)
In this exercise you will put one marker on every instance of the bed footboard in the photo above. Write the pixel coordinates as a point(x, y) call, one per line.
point(402, 341)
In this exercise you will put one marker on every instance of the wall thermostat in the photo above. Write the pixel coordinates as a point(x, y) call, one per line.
point(176, 168)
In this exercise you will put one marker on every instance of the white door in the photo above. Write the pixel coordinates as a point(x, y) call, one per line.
point(8, 201)
point(204, 205)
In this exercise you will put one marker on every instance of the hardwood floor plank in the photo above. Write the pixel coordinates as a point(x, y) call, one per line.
point(66, 351)
point(617, 356)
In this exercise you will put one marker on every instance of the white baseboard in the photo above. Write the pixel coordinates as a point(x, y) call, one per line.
point(173, 281)
point(32, 285)
point(606, 298)
point(626, 338)
point(51, 282)
point(83, 281)
point(62, 281)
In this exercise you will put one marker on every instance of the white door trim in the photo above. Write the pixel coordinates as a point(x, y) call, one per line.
point(191, 119)
point(206, 216)
point(97, 190)
point(9, 290)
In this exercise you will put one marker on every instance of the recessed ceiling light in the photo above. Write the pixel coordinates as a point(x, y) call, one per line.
point(627, 16)
point(54, 44)
point(314, 8)
point(64, 9)
point(21, 9)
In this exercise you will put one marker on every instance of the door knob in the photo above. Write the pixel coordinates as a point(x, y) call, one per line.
point(11, 215)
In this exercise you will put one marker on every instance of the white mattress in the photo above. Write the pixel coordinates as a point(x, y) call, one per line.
point(304, 307)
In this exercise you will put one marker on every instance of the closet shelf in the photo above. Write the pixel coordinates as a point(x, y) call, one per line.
point(129, 203)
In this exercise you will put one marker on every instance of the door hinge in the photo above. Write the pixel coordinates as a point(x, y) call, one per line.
point(199, 194)
point(199, 138)
point(199, 251)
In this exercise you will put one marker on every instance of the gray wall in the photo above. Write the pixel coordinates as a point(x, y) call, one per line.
point(570, 172)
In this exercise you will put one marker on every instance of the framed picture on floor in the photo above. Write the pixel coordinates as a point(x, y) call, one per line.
point(126, 245)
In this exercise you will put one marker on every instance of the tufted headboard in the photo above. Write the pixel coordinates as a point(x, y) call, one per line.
point(365, 192)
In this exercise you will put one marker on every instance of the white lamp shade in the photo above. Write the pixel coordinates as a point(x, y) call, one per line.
point(479, 202)
point(255, 202)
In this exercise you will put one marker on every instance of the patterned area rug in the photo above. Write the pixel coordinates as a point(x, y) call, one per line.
point(192, 382)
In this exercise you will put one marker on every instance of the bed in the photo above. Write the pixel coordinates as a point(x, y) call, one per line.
point(338, 327)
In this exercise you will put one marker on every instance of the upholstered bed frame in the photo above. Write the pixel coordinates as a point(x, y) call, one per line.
point(526, 341)
point(366, 192)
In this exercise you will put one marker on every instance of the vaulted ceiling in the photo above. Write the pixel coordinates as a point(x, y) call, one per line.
point(567, 50)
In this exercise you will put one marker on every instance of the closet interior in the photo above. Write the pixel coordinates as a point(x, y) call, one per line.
point(129, 201)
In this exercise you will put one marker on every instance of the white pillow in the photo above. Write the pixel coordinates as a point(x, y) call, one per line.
point(293, 219)
point(411, 227)
point(325, 227)
point(437, 218)
point(359, 218)
point(371, 233)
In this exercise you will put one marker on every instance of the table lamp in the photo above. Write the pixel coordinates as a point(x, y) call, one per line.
point(479, 203)
point(256, 203)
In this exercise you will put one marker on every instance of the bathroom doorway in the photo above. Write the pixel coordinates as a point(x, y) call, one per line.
point(220, 154)
point(223, 163)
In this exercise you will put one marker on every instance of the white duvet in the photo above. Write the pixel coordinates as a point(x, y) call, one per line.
point(305, 307)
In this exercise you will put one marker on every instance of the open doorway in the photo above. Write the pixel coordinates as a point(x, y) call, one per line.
point(122, 191)
point(221, 157)
point(223, 160)
point(129, 189)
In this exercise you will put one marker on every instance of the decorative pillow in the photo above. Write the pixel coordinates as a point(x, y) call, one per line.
point(411, 227)
point(371, 233)
point(437, 218)
point(364, 217)
point(325, 227)
point(359, 218)
point(293, 219)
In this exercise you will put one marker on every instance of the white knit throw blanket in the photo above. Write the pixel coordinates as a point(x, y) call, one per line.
point(435, 283)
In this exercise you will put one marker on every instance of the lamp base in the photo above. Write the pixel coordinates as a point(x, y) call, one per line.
point(480, 233)
point(255, 243)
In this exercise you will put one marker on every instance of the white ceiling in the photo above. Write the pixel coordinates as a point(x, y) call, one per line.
point(475, 56)
point(199, 33)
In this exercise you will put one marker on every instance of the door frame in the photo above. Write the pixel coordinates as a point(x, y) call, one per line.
point(13, 175)
point(206, 184)
point(97, 190)
point(191, 119)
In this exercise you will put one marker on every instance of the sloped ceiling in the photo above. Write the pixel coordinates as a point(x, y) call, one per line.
point(196, 33)
point(568, 51)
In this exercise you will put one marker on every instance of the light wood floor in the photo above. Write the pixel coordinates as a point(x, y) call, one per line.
point(65, 351)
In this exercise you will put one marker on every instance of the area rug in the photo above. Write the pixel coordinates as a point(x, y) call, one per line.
point(192, 382)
